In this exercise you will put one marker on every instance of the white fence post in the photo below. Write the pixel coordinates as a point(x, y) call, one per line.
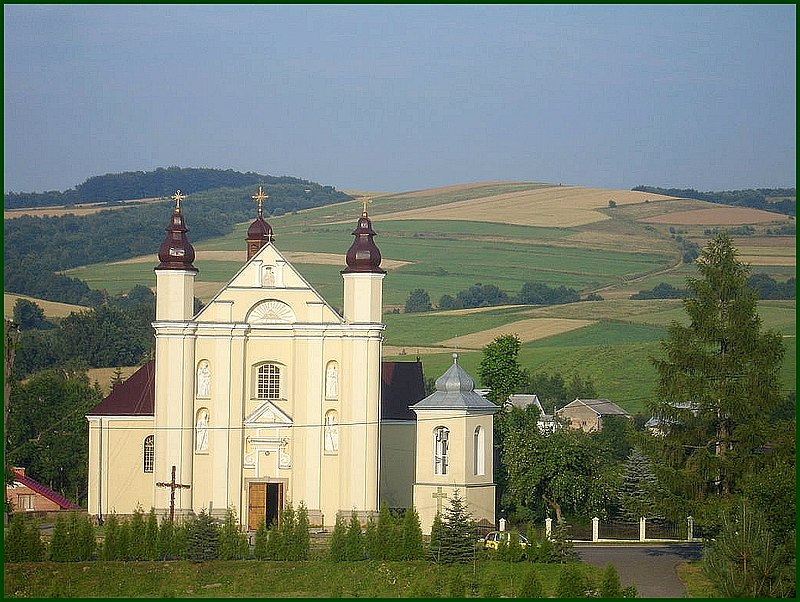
point(642, 528)
point(502, 524)
point(690, 528)
point(595, 528)
point(548, 527)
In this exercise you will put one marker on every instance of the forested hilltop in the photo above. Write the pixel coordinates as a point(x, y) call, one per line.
point(780, 200)
point(36, 248)
point(114, 187)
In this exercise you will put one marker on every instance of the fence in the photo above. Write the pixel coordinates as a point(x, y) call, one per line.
point(644, 530)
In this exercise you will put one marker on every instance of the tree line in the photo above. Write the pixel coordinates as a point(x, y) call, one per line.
point(779, 200)
point(764, 284)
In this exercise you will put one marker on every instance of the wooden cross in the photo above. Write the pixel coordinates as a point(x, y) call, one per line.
point(178, 197)
point(173, 486)
point(439, 496)
point(259, 198)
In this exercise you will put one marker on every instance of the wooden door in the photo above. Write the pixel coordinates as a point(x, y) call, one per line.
point(256, 505)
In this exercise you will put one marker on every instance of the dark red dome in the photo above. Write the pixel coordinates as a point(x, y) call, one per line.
point(176, 252)
point(260, 230)
point(363, 255)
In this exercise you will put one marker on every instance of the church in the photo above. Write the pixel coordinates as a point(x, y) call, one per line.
point(267, 396)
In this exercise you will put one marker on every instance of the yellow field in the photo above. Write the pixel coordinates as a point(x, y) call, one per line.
point(556, 206)
point(717, 216)
point(527, 330)
point(292, 256)
point(103, 376)
point(79, 209)
point(52, 309)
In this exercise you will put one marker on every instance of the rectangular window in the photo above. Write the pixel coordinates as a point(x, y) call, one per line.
point(269, 382)
point(25, 501)
point(148, 455)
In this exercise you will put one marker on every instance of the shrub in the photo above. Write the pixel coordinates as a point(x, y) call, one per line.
point(61, 549)
point(202, 538)
point(151, 536)
point(411, 535)
point(232, 542)
point(354, 540)
point(260, 544)
point(137, 549)
point(456, 588)
point(531, 586)
point(301, 538)
point(23, 542)
point(337, 550)
point(610, 586)
point(435, 543)
point(572, 582)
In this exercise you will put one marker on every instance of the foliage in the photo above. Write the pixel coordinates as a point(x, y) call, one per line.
point(260, 543)
point(232, 542)
point(110, 548)
point(168, 545)
point(29, 315)
point(301, 540)
point(610, 586)
point(572, 582)
point(354, 540)
point(458, 532)
point(567, 470)
point(531, 586)
point(418, 300)
point(202, 538)
point(436, 539)
point(769, 288)
point(755, 199)
point(23, 541)
point(47, 431)
point(499, 369)
point(61, 545)
point(456, 587)
point(388, 544)
point(638, 491)
point(662, 290)
point(138, 544)
point(73, 539)
point(745, 562)
point(563, 550)
point(538, 293)
point(718, 384)
point(554, 391)
point(151, 536)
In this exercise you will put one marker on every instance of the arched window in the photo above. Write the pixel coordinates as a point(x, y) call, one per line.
point(269, 382)
point(148, 454)
point(478, 452)
point(440, 447)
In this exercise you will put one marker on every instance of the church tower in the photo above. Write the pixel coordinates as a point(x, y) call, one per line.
point(260, 232)
point(175, 344)
point(454, 448)
point(363, 276)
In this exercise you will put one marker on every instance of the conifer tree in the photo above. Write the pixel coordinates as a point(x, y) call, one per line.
point(260, 544)
point(637, 492)
point(437, 537)
point(166, 540)
point(610, 586)
point(122, 551)
point(86, 542)
point(514, 552)
point(180, 541)
point(411, 532)
point(151, 536)
point(202, 538)
point(111, 538)
point(458, 541)
point(137, 546)
point(371, 543)
point(337, 551)
point(23, 541)
point(60, 544)
point(572, 583)
point(718, 384)
point(231, 538)
point(301, 537)
point(387, 535)
point(354, 540)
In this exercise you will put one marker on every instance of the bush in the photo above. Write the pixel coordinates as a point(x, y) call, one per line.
point(531, 586)
point(337, 549)
point(23, 542)
point(260, 544)
point(456, 588)
point(151, 536)
point(572, 583)
point(610, 586)
point(411, 536)
point(202, 538)
point(354, 540)
point(232, 542)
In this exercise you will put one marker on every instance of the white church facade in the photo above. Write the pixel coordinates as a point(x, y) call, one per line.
point(268, 396)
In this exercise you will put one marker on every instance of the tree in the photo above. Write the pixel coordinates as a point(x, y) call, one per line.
point(138, 543)
point(531, 586)
point(110, 547)
point(354, 540)
point(337, 550)
point(458, 535)
point(232, 542)
point(166, 539)
point(301, 540)
point(499, 369)
point(638, 490)
point(448, 302)
point(203, 538)
point(567, 470)
point(29, 315)
point(387, 535)
point(260, 544)
point(62, 548)
point(151, 536)
point(610, 587)
point(572, 582)
point(718, 383)
point(411, 536)
point(23, 542)
point(437, 536)
point(418, 300)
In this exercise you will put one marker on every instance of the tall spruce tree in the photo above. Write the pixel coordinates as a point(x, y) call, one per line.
point(411, 536)
point(638, 489)
point(458, 539)
point(203, 538)
point(718, 384)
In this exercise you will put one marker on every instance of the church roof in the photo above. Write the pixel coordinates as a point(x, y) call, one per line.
point(363, 255)
point(134, 397)
point(401, 385)
point(455, 390)
point(176, 252)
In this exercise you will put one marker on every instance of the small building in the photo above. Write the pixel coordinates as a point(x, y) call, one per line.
point(28, 495)
point(588, 414)
point(659, 425)
point(546, 422)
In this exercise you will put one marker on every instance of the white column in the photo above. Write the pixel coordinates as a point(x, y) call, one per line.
point(642, 528)
point(595, 528)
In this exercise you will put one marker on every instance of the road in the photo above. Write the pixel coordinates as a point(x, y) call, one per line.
point(650, 567)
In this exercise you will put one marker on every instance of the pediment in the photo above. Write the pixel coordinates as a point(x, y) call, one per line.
point(271, 311)
point(267, 415)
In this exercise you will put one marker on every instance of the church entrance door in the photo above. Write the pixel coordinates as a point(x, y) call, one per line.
point(265, 502)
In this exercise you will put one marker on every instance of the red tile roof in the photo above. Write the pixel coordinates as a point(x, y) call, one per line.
point(33, 485)
point(134, 397)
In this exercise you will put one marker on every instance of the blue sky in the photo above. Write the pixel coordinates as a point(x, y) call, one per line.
point(404, 97)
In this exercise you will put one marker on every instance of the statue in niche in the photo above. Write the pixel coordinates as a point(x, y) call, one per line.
point(269, 276)
point(331, 382)
point(201, 431)
point(331, 432)
point(204, 379)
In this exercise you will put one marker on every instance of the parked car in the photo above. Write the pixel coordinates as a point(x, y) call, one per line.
point(493, 539)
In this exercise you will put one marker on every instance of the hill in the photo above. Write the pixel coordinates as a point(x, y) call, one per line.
point(508, 233)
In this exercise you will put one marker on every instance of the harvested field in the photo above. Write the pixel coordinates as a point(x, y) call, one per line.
point(294, 257)
point(52, 309)
point(554, 206)
point(527, 330)
point(103, 376)
point(782, 260)
point(717, 216)
point(79, 209)
point(449, 189)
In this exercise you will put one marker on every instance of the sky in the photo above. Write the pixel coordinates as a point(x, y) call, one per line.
point(400, 97)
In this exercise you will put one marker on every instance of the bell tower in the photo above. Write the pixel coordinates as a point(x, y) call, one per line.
point(363, 276)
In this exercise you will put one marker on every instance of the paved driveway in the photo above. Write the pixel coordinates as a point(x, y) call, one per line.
point(650, 567)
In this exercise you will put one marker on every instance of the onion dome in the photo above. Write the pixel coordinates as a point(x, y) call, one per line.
point(363, 255)
point(176, 252)
point(260, 232)
point(455, 390)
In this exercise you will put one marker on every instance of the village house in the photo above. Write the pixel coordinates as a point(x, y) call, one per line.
point(28, 495)
point(588, 414)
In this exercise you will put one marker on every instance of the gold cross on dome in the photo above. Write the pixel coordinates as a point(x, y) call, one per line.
point(364, 201)
point(259, 198)
point(178, 197)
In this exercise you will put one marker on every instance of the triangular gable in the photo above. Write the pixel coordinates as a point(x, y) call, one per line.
point(268, 276)
point(267, 415)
